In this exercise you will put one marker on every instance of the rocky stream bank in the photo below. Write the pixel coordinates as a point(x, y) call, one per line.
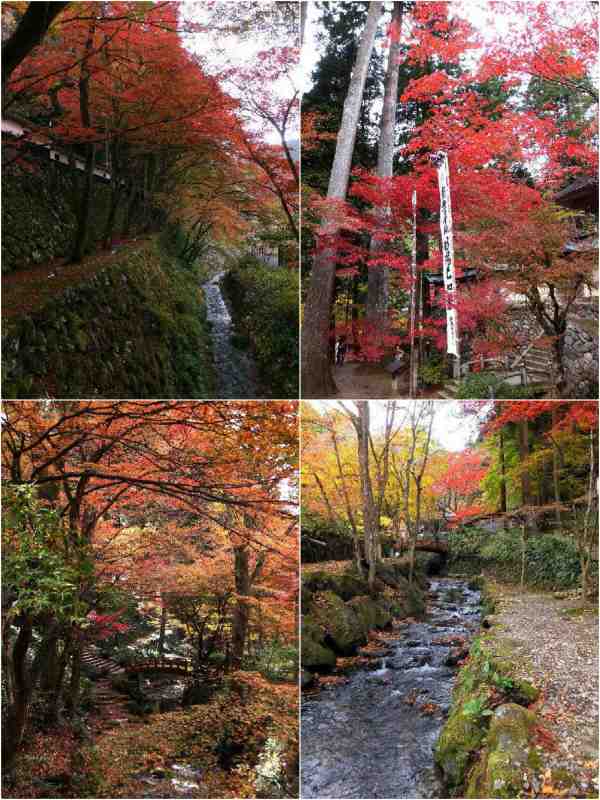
point(433, 692)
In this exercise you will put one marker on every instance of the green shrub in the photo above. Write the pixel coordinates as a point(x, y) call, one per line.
point(265, 309)
point(324, 540)
point(551, 560)
point(433, 370)
point(466, 542)
point(485, 384)
point(276, 661)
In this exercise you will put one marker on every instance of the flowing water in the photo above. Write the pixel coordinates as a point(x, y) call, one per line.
point(374, 736)
point(236, 372)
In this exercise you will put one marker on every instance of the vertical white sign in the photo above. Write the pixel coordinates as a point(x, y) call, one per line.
point(413, 300)
point(413, 268)
point(447, 242)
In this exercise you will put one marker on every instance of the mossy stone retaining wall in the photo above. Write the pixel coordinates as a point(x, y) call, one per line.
point(133, 330)
point(38, 214)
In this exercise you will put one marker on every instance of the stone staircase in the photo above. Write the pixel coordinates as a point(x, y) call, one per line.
point(536, 364)
point(539, 363)
point(93, 662)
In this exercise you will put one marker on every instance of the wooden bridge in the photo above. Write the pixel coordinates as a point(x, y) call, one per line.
point(432, 546)
point(177, 666)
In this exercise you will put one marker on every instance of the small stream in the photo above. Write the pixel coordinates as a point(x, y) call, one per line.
point(236, 371)
point(373, 737)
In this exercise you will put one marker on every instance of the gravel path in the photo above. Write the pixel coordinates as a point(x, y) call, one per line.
point(562, 650)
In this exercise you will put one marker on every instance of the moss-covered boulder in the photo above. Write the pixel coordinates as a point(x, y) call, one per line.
point(393, 574)
point(370, 613)
point(461, 737)
point(343, 628)
point(509, 758)
point(315, 654)
point(346, 584)
point(407, 602)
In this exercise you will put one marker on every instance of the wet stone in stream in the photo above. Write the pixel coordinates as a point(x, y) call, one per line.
point(374, 736)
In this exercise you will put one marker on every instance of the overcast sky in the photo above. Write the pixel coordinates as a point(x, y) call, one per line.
point(220, 52)
point(451, 430)
point(477, 12)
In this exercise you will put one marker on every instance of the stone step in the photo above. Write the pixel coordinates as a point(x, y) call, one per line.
point(538, 361)
point(97, 663)
point(535, 353)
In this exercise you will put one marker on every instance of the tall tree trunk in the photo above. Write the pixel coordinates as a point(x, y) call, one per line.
point(303, 17)
point(240, 612)
point(523, 456)
point(83, 214)
point(523, 552)
point(30, 31)
point(378, 278)
point(558, 346)
point(132, 202)
point(55, 696)
point(16, 715)
point(75, 683)
point(7, 670)
point(589, 529)
point(370, 520)
point(317, 379)
point(418, 496)
point(115, 199)
point(49, 655)
point(556, 479)
point(503, 496)
point(244, 580)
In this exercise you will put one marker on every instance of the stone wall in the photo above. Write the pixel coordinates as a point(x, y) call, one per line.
point(38, 213)
point(581, 346)
point(581, 356)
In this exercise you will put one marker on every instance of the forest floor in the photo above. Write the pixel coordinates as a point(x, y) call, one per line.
point(361, 379)
point(205, 751)
point(559, 641)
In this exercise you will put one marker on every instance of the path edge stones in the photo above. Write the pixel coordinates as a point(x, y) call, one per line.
point(486, 748)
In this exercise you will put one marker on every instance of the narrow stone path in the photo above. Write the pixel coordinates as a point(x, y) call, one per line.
point(112, 705)
point(560, 644)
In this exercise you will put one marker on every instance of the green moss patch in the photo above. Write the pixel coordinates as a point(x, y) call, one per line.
point(264, 302)
point(339, 611)
point(508, 760)
point(485, 748)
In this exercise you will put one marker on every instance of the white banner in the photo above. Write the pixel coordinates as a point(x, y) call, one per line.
point(413, 301)
point(413, 269)
point(447, 242)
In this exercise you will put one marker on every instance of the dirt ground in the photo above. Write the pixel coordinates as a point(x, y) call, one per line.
point(561, 645)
